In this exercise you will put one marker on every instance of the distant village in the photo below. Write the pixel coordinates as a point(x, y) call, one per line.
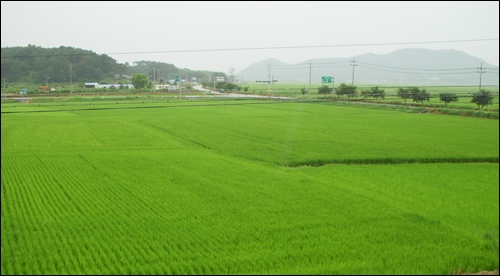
point(170, 84)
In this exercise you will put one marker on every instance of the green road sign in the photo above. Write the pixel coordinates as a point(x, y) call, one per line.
point(326, 79)
point(176, 78)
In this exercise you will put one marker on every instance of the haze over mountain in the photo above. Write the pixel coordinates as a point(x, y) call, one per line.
point(406, 66)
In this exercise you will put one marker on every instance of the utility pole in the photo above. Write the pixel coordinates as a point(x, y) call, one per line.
point(160, 78)
point(309, 91)
point(480, 75)
point(353, 64)
point(70, 81)
point(272, 83)
point(269, 78)
point(333, 87)
point(231, 70)
point(154, 79)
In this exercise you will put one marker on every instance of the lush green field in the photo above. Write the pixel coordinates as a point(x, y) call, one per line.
point(464, 93)
point(292, 90)
point(295, 88)
point(238, 189)
point(103, 103)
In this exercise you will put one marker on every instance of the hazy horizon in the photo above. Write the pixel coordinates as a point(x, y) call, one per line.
point(224, 36)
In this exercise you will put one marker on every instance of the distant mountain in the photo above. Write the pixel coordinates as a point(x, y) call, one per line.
point(406, 66)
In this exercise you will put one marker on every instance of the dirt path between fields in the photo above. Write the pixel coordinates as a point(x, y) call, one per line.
point(494, 272)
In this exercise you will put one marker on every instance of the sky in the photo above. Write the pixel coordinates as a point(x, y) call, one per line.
point(229, 36)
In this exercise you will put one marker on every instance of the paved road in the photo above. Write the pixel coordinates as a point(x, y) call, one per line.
point(234, 95)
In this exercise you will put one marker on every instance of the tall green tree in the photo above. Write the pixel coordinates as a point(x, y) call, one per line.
point(12, 70)
point(373, 92)
point(366, 93)
point(448, 97)
point(404, 93)
point(419, 95)
point(346, 89)
point(228, 86)
point(482, 98)
point(325, 89)
point(139, 81)
point(303, 91)
point(378, 93)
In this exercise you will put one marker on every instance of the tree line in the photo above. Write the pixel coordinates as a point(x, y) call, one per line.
point(34, 64)
point(481, 99)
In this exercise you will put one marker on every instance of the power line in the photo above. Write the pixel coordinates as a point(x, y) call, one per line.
point(371, 66)
point(310, 46)
point(272, 48)
point(417, 69)
point(471, 70)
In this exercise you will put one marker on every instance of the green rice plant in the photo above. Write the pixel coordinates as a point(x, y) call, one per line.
point(213, 190)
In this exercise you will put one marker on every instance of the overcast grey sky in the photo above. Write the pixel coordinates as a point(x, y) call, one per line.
point(222, 35)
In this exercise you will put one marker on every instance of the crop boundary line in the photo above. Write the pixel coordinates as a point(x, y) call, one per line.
point(397, 161)
point(342, 103)
point(139, 107)
point(177, 135)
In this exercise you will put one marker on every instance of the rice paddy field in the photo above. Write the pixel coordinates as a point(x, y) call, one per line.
point(246, 187)
point(464, 93)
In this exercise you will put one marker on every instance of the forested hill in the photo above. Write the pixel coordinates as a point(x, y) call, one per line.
point(34, 64)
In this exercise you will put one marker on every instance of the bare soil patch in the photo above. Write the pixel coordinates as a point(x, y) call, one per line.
point(494, 272)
